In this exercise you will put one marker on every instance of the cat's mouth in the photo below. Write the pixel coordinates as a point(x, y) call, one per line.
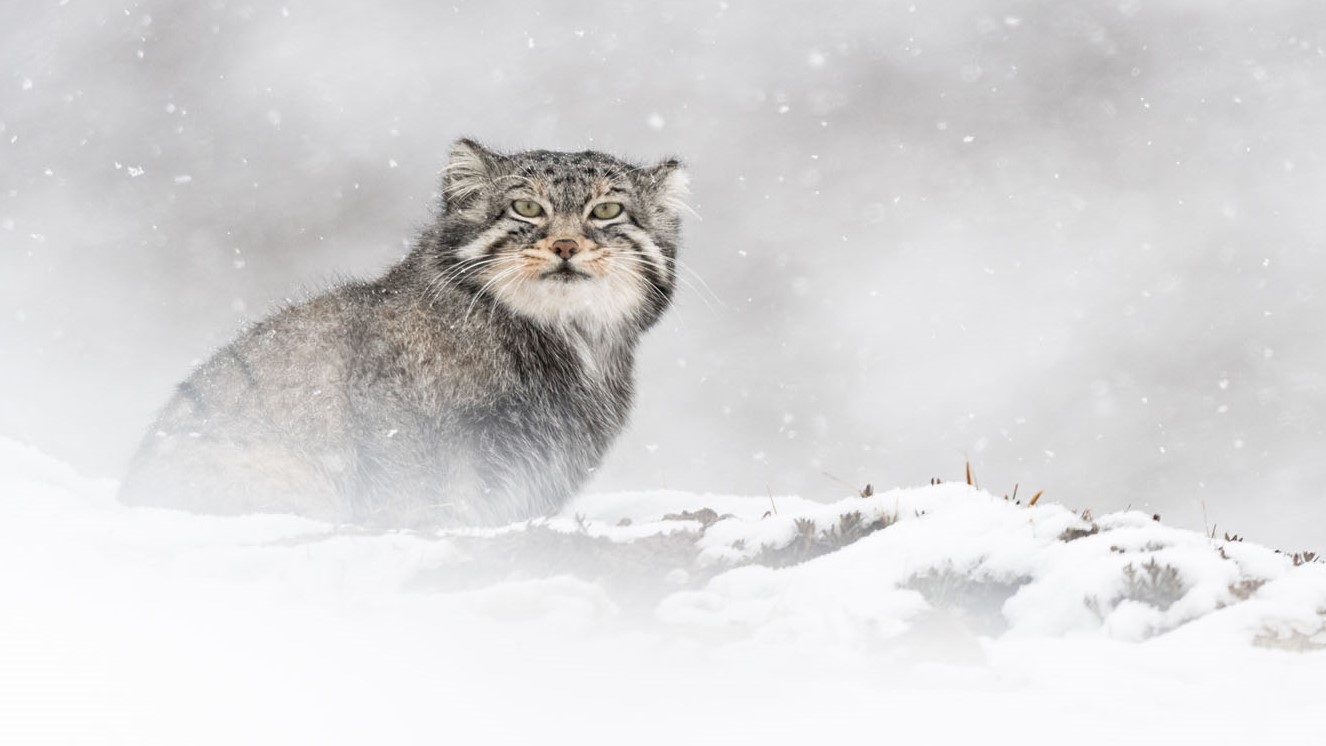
point(565, 273)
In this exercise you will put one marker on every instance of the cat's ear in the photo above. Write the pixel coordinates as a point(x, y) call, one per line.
point(670, 184)
point(470, 170)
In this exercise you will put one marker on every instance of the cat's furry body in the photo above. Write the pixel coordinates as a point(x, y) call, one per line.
point(479, 381)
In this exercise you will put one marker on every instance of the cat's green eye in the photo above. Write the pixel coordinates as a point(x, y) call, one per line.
point(527, 208)
point(606, 210)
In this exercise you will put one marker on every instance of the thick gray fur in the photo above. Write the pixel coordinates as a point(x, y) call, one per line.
point(480, 381)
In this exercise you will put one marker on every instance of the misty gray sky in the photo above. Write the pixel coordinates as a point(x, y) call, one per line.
point(1078, 244)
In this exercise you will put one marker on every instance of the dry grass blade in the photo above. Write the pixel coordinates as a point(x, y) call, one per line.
point(1035, 497)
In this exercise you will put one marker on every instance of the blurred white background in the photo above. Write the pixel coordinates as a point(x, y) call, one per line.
point(1079, 244)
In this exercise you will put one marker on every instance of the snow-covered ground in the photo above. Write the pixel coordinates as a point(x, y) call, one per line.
point(938, 614)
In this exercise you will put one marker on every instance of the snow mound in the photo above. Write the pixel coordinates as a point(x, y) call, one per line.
point(651, 617)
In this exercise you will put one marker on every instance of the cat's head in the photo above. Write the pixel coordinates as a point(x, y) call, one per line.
point(555, 237)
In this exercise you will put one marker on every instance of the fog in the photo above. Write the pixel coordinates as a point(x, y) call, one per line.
point(1078, 245)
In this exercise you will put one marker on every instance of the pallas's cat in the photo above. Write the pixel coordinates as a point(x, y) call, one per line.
point(479, 381)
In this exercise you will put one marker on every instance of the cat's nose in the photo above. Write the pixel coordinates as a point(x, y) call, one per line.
point(565, 247)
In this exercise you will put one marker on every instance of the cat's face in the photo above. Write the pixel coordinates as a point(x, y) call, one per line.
point(563, 237)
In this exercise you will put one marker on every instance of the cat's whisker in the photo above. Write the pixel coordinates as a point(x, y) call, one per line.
point(467, 267)
point(640, 280)
point(701, 290)
point(645, 260)
point(671, 259)
point(448, 277)
point(444, 275)
point(649, 287)
point(501, 274)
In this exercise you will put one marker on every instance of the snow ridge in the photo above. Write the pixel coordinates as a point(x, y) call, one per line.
point(139, 625)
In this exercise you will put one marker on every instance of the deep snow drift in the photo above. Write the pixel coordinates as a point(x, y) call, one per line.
point(917, 616)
